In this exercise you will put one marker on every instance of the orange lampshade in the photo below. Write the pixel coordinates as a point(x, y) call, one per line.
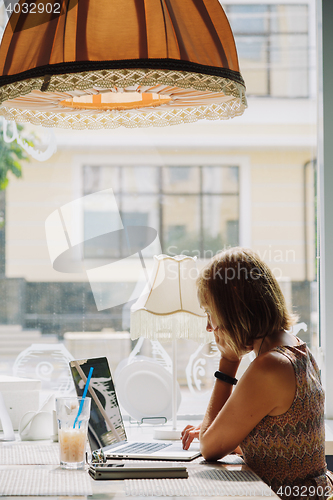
point(106, 63)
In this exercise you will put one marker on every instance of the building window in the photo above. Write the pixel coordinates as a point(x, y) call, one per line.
point(194, 209)
point(273, 48)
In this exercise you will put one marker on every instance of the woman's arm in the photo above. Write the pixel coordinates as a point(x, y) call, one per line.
point(229, 364)
point(221, 393)
point(267, 386)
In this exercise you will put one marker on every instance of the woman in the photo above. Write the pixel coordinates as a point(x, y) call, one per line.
point(274, 416)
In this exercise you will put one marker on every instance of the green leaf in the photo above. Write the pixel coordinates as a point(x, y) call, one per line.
point(11, 157)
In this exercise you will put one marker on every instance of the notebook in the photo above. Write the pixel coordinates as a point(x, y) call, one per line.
point(106, 430)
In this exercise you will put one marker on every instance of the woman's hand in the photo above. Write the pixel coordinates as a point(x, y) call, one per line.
point(188, 434)
point(226, 351)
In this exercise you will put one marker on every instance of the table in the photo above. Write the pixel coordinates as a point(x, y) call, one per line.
point(117, 490)
point(198, 487)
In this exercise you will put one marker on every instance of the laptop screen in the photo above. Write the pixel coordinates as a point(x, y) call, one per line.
point(106, 425)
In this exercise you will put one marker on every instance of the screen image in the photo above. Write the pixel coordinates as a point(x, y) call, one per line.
point(106, 424)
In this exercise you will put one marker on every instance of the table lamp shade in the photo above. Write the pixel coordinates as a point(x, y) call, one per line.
point(168, 308)
point(106, 63)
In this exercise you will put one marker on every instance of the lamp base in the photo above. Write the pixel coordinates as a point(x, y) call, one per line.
point(167, 434)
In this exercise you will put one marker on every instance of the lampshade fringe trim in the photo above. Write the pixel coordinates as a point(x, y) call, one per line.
point(109, 79)
point(165, 328)
point(108, 121)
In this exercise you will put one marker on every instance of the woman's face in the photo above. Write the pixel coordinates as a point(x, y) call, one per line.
point(221, 337)
point(212, 325)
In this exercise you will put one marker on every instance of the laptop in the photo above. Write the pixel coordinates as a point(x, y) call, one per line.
point(106, 430)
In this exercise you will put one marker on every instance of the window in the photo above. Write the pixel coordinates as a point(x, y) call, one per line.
point(177, 201)
point(273, 47)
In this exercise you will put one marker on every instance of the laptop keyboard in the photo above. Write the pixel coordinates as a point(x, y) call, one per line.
point(142, 448)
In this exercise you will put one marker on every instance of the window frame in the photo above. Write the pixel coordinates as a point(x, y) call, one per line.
point(325, 185)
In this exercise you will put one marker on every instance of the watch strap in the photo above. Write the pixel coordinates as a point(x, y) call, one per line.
point(225, 378)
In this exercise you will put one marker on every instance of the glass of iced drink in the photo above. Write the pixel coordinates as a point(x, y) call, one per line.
point(72, 430)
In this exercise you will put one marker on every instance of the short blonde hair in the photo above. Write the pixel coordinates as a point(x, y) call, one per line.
point(244, 296)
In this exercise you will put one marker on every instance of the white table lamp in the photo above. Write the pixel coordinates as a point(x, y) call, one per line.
point(168, 309)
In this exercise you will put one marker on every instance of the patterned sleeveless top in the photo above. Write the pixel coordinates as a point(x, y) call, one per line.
point(288, 451)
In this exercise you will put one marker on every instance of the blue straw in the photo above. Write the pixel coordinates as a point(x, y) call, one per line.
point(83, 396)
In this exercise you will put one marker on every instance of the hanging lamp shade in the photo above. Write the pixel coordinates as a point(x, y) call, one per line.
point(106, 63)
